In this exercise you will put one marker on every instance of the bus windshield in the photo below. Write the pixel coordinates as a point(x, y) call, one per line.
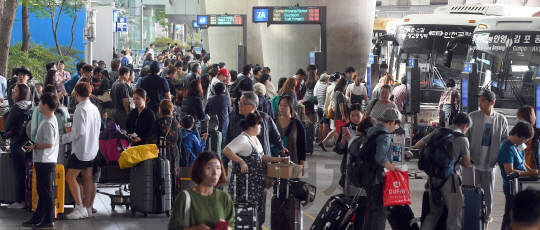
point(507, 63)
point(428, 44)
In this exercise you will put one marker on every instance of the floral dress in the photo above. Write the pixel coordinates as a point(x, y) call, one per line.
point(169, 129)
point(255, 184)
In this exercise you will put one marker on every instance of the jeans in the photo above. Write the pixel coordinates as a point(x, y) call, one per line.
point(45, 176)
point(19, 166)
point(509, 199)
point(377, 215)
point(120, 117)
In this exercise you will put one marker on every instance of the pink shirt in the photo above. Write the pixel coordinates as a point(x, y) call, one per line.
point(61, 77)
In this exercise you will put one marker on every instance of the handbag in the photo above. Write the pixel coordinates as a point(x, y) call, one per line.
point(134, 155)
point(106, 97)
point(113, 148)
point(331, 114)
point(396, 187)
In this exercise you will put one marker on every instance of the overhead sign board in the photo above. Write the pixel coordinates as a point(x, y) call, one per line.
point(121, 24)
point(288, 15)
point(411, 62)
point(195, 25)
point(220, 20)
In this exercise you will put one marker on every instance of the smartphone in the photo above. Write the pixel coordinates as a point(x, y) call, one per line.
point(222, 225)
point(344, 130)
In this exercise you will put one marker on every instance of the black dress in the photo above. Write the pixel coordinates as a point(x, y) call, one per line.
point(169, 129)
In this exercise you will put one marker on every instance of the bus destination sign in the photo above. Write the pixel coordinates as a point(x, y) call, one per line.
point(288, 15)
point(220, 20)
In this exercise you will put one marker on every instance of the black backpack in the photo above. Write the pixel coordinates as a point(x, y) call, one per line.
point(436, 158)
point(27, 117)
point(236, 91)
point(362, 167)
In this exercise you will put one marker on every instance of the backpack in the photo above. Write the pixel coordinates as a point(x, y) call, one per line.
point(236, 91)
point(436, 158)
point(362, 167)
point(27, 117)
point(275, 103)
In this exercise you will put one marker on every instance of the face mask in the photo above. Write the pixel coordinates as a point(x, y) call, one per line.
point(522, 147)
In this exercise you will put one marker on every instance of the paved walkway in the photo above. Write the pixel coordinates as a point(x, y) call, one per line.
point(322, 170)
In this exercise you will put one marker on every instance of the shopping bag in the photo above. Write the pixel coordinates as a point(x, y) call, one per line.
point(396, 187)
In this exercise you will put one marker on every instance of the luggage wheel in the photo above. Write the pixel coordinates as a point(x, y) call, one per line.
point(133, 212)
point(112, 206)
point(168, 213)
point(60, 216)
point(145, 215)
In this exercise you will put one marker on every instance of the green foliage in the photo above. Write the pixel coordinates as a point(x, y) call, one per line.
point(161, 42)
point(74, 52)
point(36, 58)
point(161, 18)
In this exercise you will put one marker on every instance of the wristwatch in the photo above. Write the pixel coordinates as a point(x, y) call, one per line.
point(35, 147)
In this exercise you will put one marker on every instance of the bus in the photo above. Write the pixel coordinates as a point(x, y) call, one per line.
point(381, 27)
point(425, 36)
point(507, 53)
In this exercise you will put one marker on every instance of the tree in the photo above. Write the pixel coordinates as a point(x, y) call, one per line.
point(161, 18)
point(73, 9)
point(46, 9)
point(6, 26)
point(25, 27)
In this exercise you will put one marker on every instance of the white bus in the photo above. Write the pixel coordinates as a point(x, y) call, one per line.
point(426, 36)
point(381, 27)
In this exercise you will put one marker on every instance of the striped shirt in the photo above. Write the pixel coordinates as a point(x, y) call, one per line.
point(376, 111)
point(320, 93)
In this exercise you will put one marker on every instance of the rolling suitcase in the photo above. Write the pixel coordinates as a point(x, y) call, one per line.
point(246, 215)
point(150, 187)
point(310, 136)
point(59, 183)
point(400, 218)
point(286, 211)
point(333, 213)
point(474, 208)
point(7, 179)
point(214, 141)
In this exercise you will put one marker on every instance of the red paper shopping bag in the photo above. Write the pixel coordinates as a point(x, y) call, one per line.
point(396, 188)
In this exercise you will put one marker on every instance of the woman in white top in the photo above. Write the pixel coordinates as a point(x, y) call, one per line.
point(247, 154)
point(356, 92)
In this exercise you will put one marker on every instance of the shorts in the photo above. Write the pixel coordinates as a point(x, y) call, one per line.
point(326, 121)
point(75, 163)
point(96, 174)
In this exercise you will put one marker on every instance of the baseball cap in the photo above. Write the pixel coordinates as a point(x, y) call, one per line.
point(390, 115)
point(223, 72)
point(324, 77)
point(487, 94)
point(155, 66)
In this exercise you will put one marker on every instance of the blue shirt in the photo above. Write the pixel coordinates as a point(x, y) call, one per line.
point(155, 87)
point(508, 153)
point(125, 61)
point(70, 84)
point(383, 153)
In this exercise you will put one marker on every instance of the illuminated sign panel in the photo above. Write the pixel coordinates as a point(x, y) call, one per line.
point(288, 15)
point(220, 20)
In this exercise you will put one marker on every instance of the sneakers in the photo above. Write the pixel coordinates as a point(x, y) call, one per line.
point(89, 211)
point(77, 213)
point(17, 205)
point(42, 226)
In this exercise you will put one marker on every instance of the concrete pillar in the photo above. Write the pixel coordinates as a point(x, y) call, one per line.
point(206, 41)
point(223, 40)
point(349, 29)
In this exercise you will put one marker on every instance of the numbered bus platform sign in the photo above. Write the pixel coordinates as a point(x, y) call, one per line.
point(467, 67)
point(288, 15)
point(220, 20)
point(121, 24)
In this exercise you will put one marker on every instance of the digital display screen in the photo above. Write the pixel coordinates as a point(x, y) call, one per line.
point(220, 20)
point(467, 67)
point(538, 106)
point(195, 24)
point(465, 94)
point(288, 15)
point(296, 14)
point(311, 58)
point(409, 86)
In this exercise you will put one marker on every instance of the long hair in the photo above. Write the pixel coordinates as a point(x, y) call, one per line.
point(527, 113)
point(290, 100)
point(289, 85)
point(194, 89)
point(311, 79)
point(49, 79)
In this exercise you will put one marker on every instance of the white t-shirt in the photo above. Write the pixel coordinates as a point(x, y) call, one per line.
point(242, 145)
point(487, 135)
point(47, 133)
point(130, 59)
point(356, 90)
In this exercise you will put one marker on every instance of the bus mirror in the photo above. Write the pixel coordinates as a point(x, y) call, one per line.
point(448, 58)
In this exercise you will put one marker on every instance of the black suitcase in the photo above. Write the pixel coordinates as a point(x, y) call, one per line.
point(310, 136)
point(246, 215)
point(334, 213)
point(7, 179)
point(286, 211)
point(400, 218)
point(474, 209)
point(150, 187)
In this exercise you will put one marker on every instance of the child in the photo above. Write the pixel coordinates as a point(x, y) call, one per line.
point(45, 159)
point(190, 140)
